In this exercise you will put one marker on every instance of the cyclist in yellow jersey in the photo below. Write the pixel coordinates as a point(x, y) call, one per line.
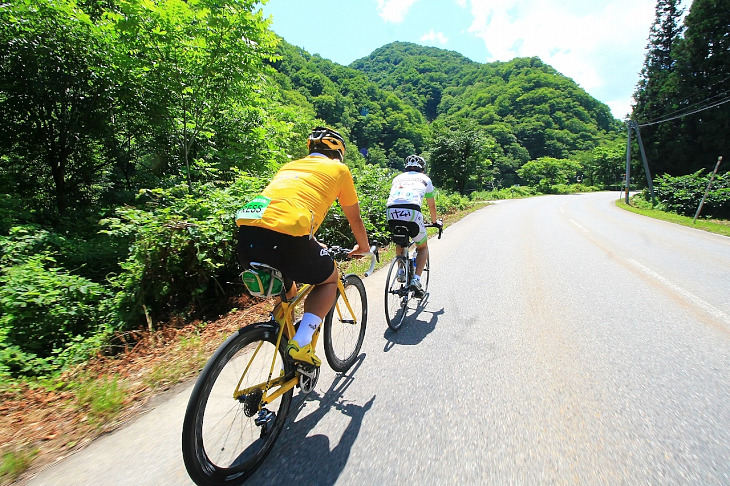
point(278, 226)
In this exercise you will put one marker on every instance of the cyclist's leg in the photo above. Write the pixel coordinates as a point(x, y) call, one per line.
point(319, 301)
point(421, 257)
point(421, 240)
point(322, 297)
point(308, 263)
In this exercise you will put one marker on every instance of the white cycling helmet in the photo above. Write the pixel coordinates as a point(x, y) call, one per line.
point(416, 163)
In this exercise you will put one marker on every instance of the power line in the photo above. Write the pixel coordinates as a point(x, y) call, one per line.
point(682, 115)
point(689, 107)
point(666, 116)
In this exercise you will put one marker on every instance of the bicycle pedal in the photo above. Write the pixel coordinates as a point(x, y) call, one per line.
point(265, 417)
point(308, 377)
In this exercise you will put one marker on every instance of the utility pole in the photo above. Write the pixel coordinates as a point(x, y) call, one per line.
point(707, 191)
point(632, 125)
point(627, 177)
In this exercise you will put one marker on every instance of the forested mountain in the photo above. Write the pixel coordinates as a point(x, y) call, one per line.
point(385, 127)
point(393, 99)
point(418, 74)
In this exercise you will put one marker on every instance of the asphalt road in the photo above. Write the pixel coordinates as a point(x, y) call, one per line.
point(564, 341)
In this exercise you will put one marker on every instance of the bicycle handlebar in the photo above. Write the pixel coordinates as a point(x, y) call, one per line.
point(437, 225)
point(339, 253)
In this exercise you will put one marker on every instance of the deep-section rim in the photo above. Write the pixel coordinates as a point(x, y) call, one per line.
point(197, 462)
point(337, 364)
point(401, 301)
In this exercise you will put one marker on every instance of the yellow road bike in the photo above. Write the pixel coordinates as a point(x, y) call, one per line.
point(240, 401)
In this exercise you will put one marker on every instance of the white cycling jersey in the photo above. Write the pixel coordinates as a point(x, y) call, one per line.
point(410, 188)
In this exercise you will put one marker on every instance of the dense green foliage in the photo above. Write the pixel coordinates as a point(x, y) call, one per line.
point(683, 96)
point(133, 130)
point(683, 194)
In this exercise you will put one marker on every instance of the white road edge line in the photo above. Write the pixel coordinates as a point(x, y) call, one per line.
point(709, 308)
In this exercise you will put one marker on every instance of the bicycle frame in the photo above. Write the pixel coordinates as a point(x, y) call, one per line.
point(402, 238)
point(284, 317)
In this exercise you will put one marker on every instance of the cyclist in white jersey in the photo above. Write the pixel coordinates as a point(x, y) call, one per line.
point(404, 206)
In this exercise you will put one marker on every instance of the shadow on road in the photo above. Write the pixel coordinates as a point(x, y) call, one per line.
point(301, 459)
point(414, 329)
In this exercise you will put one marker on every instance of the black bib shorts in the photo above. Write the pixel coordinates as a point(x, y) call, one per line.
point(298, 258)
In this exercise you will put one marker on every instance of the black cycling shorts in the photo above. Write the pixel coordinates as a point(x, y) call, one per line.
point(298, 258)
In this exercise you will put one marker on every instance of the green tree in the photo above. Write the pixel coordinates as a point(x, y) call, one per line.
point(55, 96)
point(546, 172)
point(460, 158)
point(605, 164)
point(703, 83)
point(655, 93)
point(197, 59)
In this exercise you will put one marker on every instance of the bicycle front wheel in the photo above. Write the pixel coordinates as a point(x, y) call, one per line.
point(344, 327)
point(396, 293)
point(224, 439)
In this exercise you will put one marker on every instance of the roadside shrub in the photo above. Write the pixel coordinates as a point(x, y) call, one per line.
point(447, 203)
point(682, 194)
point(45, 310)
point(512, 192)
point(182, 251)
point(572, 188)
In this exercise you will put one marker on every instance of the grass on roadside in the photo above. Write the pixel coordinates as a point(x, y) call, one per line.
point(714, 226)
point(101, 398)
point(14, 462)
point(191, 356)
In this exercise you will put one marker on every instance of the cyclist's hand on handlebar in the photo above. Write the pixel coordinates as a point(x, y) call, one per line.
point(356, 252)
point(439, 223)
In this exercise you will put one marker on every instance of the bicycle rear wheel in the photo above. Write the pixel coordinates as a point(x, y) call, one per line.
point(221, 443)
point(344, 331)
point(396, 293)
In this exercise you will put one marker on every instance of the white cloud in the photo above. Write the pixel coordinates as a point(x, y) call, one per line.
point(394, 11)
point(620, 107)
point(598, 44)
point(434, 37)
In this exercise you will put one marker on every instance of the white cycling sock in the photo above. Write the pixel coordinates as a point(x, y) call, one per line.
point(310, 323)
point(417, 278)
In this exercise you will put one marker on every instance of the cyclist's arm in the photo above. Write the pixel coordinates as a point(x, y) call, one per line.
point(352, 213)
point(432, 209)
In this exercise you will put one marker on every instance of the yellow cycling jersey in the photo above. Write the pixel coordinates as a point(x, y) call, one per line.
point(298, 197)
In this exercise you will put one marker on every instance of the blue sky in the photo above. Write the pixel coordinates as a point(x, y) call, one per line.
point(600, 44)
